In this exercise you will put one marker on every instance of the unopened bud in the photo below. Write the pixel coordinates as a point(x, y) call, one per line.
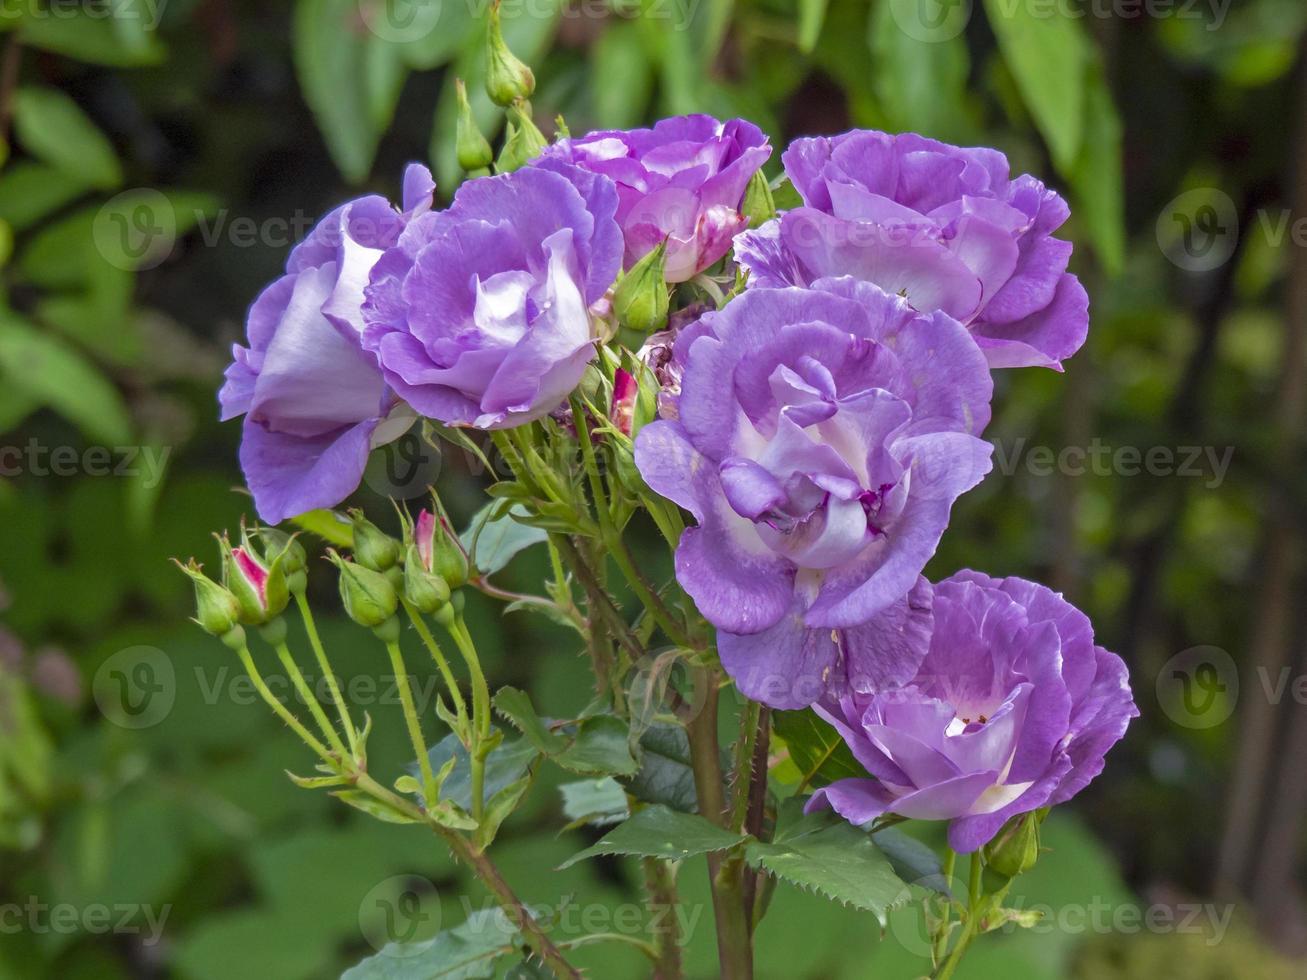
point(641, 297)
point(260, 588)
point(425, 589)
point(368, 596)
point(1016, 848)
point(474, 152)
point(216, 609)
point(507, 78)
point(373, 547)
point(271, 544)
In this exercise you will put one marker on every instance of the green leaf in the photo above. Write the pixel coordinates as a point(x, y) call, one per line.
point(812, 14)
point(328, 526)
point(96, 39)
point(665, 775)
point(506, 764)
point(1046, 51)
point(466, 952)
point(657, 831)
point(516, 707)
point(920, 82)
point(785, 195)
point(52, 127)
point(31, 191)
point(498, 809)
point(912, 860)
point(598, 802)
point(1096, 178)
point(621, 75)
point(331, 48)
point(601, 748)
point(494, 537)
point(51, 371)
point(372, 807)
point(594, 746)
point(815, 748)
point(827, 855)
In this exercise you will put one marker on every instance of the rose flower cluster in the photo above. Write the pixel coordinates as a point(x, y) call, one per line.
point(817, 421)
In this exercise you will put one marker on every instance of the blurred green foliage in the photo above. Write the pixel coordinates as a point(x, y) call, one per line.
point(141, 132)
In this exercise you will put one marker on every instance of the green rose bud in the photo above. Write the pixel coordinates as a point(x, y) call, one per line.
point(426, 590)
point(216, 609)
point(369, 598)
point(507, 78)
point(1016, 848)
point(641, 298)
point(474, 152)
point(373, 547)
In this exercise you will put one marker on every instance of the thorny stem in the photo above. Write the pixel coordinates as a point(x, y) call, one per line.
point(411, 720)
point(309, 698)
point(660, 884)
point(734, 947)
point(461, 847)
point(480, 712)
point(487, 872)
point(941, 938)
point(612, 537)
point(280, 709)
point(315, 641)
point(974, 899)
point(415, 617)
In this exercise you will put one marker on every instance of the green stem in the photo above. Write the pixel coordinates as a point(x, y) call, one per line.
point(941, 938)
point(446, 674)
point(480, 712)
point(734, 946)
point(597, 599)
point(660, 884)
point(742, 772)
point(974, 899)
point(280, 709)
point(486, 872)
point(412, 721)
point(612, 537)
point(461, 847)
point(309, 698)
point(320, 653)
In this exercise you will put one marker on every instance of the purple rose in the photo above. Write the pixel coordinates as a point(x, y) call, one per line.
point(940, 225)
point(1013, 709)
point(480, 315)
point(312, 398)
point(682, 181)
point(823, 435)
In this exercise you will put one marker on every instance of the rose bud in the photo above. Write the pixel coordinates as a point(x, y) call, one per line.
point(641, 297)
point(368, 596)
point(507, 78)
point(260, 589)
